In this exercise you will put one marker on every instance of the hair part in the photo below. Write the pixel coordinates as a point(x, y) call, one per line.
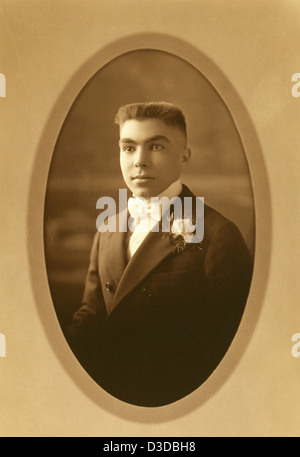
point(167, 112)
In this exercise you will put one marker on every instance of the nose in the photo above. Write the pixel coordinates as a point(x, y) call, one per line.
point(141, 158)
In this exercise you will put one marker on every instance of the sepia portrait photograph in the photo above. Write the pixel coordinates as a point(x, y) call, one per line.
point(149, 238)
point(148, 314)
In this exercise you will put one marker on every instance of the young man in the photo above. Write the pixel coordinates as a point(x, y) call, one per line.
point(159, 313)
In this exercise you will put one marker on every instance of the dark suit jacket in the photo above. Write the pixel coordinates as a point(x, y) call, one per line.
point(153, 330)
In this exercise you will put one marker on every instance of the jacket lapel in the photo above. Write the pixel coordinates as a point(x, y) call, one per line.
point(112, 254)
point(153, 250)
point(156, 247)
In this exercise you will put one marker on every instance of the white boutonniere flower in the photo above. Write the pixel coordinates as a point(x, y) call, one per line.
point(181, 234)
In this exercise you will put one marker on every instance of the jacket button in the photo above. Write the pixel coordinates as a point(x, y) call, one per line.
point(108, 286)
point(147, 292)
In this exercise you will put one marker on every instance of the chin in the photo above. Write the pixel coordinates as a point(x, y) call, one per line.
point(142, 193)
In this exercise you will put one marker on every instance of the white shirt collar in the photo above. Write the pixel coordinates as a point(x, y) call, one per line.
point(140, 209)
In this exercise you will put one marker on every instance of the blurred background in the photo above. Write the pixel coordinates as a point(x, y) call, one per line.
point(85, 162)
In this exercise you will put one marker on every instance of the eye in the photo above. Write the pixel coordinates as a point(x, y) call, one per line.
point(127, 148)
point(156, 147)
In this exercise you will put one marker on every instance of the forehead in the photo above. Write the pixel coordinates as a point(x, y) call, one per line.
point(141, 130)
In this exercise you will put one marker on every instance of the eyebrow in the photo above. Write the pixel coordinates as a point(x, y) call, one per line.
point(148, 140)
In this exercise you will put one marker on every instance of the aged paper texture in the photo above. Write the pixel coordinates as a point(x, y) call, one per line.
point(249, 53)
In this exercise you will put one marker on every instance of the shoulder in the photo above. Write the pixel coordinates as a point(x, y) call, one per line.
point(109, 224)
point(217, 227)
point(216, 223)
point(213, 219)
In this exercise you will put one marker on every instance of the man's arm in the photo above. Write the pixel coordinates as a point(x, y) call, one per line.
point(228, 272)
point(82, 331)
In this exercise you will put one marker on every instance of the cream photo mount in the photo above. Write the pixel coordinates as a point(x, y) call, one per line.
point(261, 192)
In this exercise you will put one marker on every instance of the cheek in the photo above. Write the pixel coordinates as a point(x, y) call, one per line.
point(125, 164)
point(167, 165)
point(161, 161)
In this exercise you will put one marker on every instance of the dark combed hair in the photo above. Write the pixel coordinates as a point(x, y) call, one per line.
point(167, 112)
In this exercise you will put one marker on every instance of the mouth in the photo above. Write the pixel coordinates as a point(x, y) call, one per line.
point(142, 178)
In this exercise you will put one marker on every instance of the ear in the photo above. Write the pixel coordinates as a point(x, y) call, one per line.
point(186, 156)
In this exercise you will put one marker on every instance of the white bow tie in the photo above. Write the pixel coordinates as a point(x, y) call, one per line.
point(138, 208)
point(141, 209)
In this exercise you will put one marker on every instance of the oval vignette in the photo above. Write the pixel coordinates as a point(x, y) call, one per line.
point(84, 167)
point(71, 193)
